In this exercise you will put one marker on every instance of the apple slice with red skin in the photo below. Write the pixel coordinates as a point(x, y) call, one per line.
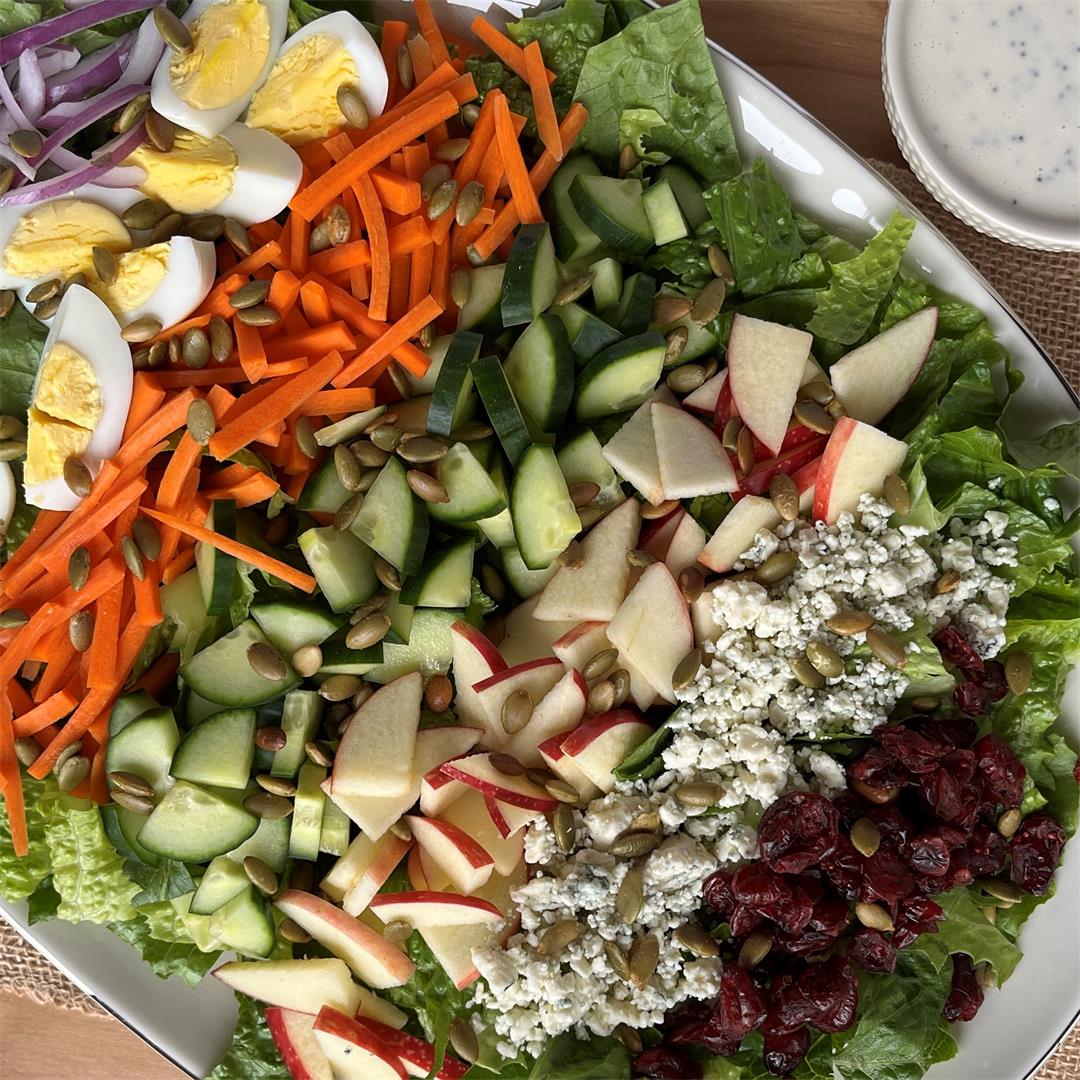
point(527, 638)
point(353, 1049)
point(370, 860)
point(687, 543)
point(302, 986)
point(652, 628)
point(735, 534)
point(389, 851)
point(558, 711)
point(508, 819)
point(371, 958)
point(656, 535)
point(601, 743)
point(424, 875)
point(564, 767)
point(464, 860)
point(429, 908)
point(805, 481)
point(594, 590)
point(642, 693)
point(536, 677)
point(475, 658)
point(765, 363)
point(294, 1037)
point(757, 481)
point(438, 791)
point(692, 461)
point(631, 451)
point(373, 1007)
point(872, 380)
point(703, 400)
point(452, 946)
point(478, 772)
point(470, 814)
point(579, 645)
point(856, 461)
point(796, 435)
point(415, 1054)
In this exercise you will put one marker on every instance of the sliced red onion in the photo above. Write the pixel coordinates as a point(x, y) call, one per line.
point(90, 112)
point(50, 30)
point(7, 98)
point(31, 86)
point(146, 50)
point(122, 176)
point(99, 69)
point(20, 163)
point(55, 59)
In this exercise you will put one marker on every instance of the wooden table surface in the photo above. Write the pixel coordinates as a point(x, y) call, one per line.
point(825, 54)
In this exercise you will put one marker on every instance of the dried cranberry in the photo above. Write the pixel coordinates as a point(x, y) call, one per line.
point(805, 944)
point(740, 1007)
point(685, 1024)
point(953, 730)
point(776, 897)
point(915, 752)
point(966, 996)
point(891, 821)
point(993, 680)
point(971, 698)
point(984, 855)
point(886, 878)
point(946, 790)
point(717, 892)
point(918, 915)
point(955, 649)
point(663, 1063)
point(830, 916)
point(850, 807)
point(1000, 770)
point(825, 996)
point(872, 951)
point(877, 769)
point(929, 854)
point(744, 920)
point(957, 876)
point(785, 1051)
point(1035, 850)
point(797, 831)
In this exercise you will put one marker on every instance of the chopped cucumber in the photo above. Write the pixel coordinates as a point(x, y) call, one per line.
point(522, 580)
point(582, 460)
point(483, 310)
point(343, 566)
point(307, 813)
point(454, 384)
point(436, 352)
point(631, 314)
point(289, 621)
point(270, 842)
point(217, 570)
point(182, 601)
point(574, 240)
point(145, 747)
point(221, 672)
point(607, 283)
point(532, 275)
point(501, 406)
point(300, 721)
point(588, 334)
point(614, 210)
point(540, 371)
point(197, 709)
point(127, 708)
point(445, 579)
point(430, 648)
point(194, 825)
point(688, 193)
point(243, 924)
point(393, 521)
point(323, 491)
point(334, 836)
point(499, 529)
point(122, 828)
point(665, 216)
point(339, 659)
point(621, 377)
point(699, 339)
point(545, 520)
point(473, 494)
point(223, 879)
point(219, 751)
point(401, 616)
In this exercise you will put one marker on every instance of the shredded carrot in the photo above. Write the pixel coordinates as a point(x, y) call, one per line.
point(250, 348)
point(547, 121)
point(444, 78)
point(146, 398)
point(299, 239)
point(331, 402)
point(196, 322)
point(440, 276)
point(159, 676)
point(263, 232)
point(179, 565)
point(314, 302)
point(516, 173)
point(148, 597)
point(399, 287)
point(171, 415)
point(95, 702)
point(511, 55)
point(61, 664)
point(54, 708)
point(394, 35)
point(247, 492)
point(21, 702)
point(13, 792)
point(284, 292)
point(420, 275)
point(403, 239)
point(409, 325)
point(379, 241)
point(106, 634)
point(45, 524)
point(468, 166)
point(398, 194)
point(311, 343)
point(429, 27)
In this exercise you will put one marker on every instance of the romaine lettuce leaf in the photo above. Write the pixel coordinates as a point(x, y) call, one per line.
point(966, 930)
point(252, 1055)
point(489, 74)
point(687, 259)
point(43, 903)
point(23, 338)
point(660, 61)
point(22, 518)
point(1059, 446)
point(21, 876)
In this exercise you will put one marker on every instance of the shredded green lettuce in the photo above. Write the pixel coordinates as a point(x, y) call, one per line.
point(21, 876)
point(24, 338)
point(965, 929)
point(162, 940)
point(252, 1054)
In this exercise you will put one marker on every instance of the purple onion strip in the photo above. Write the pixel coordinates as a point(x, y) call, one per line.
point(91, 73)
point(31, 86)
point(50, 30)
point(90, 111)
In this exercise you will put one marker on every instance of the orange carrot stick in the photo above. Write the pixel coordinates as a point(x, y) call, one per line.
point(171, 415)
point(48, 712)
point(332, 402)
point(313, 301)
point(398, 194)
point(9, 773)
point(250, 491)
point(194, 323)
point(379, 241)
point(394, 35)
point(516, 174)
point(95, 702)
point(420, 275)
point(159, 677)
point(299, 239)
point(146, 398)
point(406, 327)
point(45, 524)
point(148, 597)
point(106, 633)
point(429, 27)
point(511, 55)
point(547, 122)
point(284, 291)
point(260, 257)
point(312, 343)
point(179, 565)
point(249, 347)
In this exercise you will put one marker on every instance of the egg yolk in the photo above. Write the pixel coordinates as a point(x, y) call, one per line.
point(138, 275)
point(49, 443)
point(193, 177)
point(298, 102)
point(230, 46)
point(58, 238)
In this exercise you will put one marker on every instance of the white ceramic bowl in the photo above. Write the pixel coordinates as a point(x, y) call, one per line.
point(944, 167)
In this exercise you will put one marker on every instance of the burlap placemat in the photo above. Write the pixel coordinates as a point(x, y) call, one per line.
point(1043, 289)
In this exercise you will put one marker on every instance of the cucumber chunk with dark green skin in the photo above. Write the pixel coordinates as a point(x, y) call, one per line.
point(217, 570)
point(588, 334)
point(574, 240)
point(482, 312)
point(453, 384)
point(631, 314)
point(192, 824)
point(501, 406)
point(222, 673)
point(290, 621)
point(621, 377)
point(473, 494)
point(445, 579)
point(532, 275)
point(540, 370)
point(219, 751)
point(614, 210)
point(323, 491)
point(545, 520)
point(393, 521)
point(343, 565)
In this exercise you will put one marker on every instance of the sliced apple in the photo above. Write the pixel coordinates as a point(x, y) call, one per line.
point(353, 1049)
point(438, 791)
point(536, 677)
point(594, 590)
point(436, 877)
point(376, 752)
point(652, 628)
point(812, 371)
point(656, 535)
point(600, 744)
point(415, 1054)
point(564, 767)
point(631, 451)
point(706, 628)
point(642, 692)
point(691, 459)
point(509, 818)
point(735, 534)
point(452, 946)
point(686, 544)
point(805, 482)
point(465, 861)
point(302, 986)
point(364, 867)
point(524, 637)
point(703, 400)
point(856, 461)
point(373, 1007)
point(871, 380)
point(388, 852)
point(498, 888)
point(370, 957)
point(470, 814)
point(479, 772)
point(475, 658)
point(766, 361)
point(581, 643)
point(558, 711)
point(435, 909)
point(294, 1037)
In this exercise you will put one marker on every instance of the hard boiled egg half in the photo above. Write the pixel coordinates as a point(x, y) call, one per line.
point(234, 45)
point(298, 101)
point(242, 173)
point(80, 398)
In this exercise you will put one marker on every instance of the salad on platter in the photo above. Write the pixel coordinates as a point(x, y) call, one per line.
point(488, 579)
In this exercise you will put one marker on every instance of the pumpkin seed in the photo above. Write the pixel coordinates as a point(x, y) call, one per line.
point(1009, 822)
point(426, 487)
point(81, 630)
point(775, 568)
point(617, 959)
point(873, 916)
point(237, 235)
point(207, 227)
point(696, 940)
point(460, 286)
point(652, 511)
point(669, 309)
point(807, 674)
point(131, 783)
point(432, 178)
point(451, 150)
point(557, 936)
point(347, 467)
point(685, 379)
point(827, 661)
point(632, 844)
point(947, 582)
point(691, 583)
point(260, 315)
point(886, 648)
point(709, 302)
point(506, 764)
point(1018, 672)
point(572, 556)
point(630, 898)
point(147, 538)
point(865, 836)
point(810, 414)
point(644, 956)
point(686, 670)
point(47, 308)
point(141, 329)
point(601, 698)
point(925, 703)
point(174, 33)
point(985, 976)
point(720, 264)
point(645, 821)
point(561, 790)
point(338, 226)
point(13, 618)
point(78, 569)
point(318, 753)
point(470, 203)
point(517, 710)
point(630, 1038)
point(26, 142)
point(307, 660)
point(817, 390)
point(201, 424)
point(846, 623)
point(369, 455)
point(754, 949)
point(166, 228)
point(105, 265)
point(785, 496)
point(574, 289)
point(195, 348)
point(270, 738)
point(438, 693)
point(77, 476)
point(674, 344)
point(1000, 889)
point(11, 428)
point(379, 602)
point(620, 680)
point(293, 931)
point(12, 450)
point(897, 494)
point(144, 214)
point(700, 793)
point(406, 76)
point(133, 559)
point(442, 198)
point(730, 437)
point(564, 828)
point(352, 105)
point(174, 350)
point(137, 804)
point(386, 437)
point(628, 159)
point(341, 687)
point(463, 1040)
point(305, 438)
point(268, 807)
point(319, 240)
point(266, 661)
point(388, 575)
point(260, 875)
point(600, 664)
point(470, 114)
point(7, 178)
point(744, 450)
point(276, 785)
point(254, 292)
point(140, 358)
point(72, 773)
point(873, 794)
point(539, 776)
point(348, 512)
point(368, 632)
point(69, 751)
point(46, 290)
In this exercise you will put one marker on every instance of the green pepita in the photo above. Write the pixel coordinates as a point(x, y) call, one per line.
point(811, 415)
point(1018, 672)
point(144, 214)
point(174, 33)
point(686, 379)
point(1009, 822)
point(353, 107)
point(828, 661)
point(26, 142)
point(897, 494)
point(254, 292)
point(304, 434)
point(270, 738)
point(754, 949)
point(368, 632)
point(873, 916)
point(947, 582)
point(13, 618)
point(406, 76)
point(561, 790)
point(338, 225)
point(470, 203)
point(141, 329)
point(507, 764)
point(319, 754)
point(347, 467)
point(78, 568)
point(81, 630)
point(131, 783)
point(574, 289)
point(426, 487)
point(886, 648)
point(699, 793)
point(564, 828)
point(1000, 889)
point(442, 198)
point(208, 227)
point(293, 931)
point(195, 348)
point(460, 286)
point(166, 228)
point(785, 496)
point(631, 845)
point(744, 450)
point(674, 345)
point(776, 567)
point(630, 898)
point(387, 575)
point(259, 315)
point(847, 623)
point(865, 836)
point(237, 235)
point(45, 290)
point(617, 960)
point(72, 773)
point(720, 264)
point(557, 936)
point(341, 687)
point(438, 693)
point(266, 661)
point(697, 940)
point(463, 1040)
point(105, 265)
point(709, 302)
point(307, 660)
point(269, 807)
point(143, 805)
point(517, 710)
point(201, 424)
point(807, 674)
point(451, 150)
point(7, 178)
point(644, 956)
point(12, 450)
point(77, 476)
point(260, 875)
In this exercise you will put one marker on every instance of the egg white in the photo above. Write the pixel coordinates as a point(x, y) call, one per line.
point(268, 174)
point(7, 496)
point(210, 122)
point(190, 273)
point(85, 324)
